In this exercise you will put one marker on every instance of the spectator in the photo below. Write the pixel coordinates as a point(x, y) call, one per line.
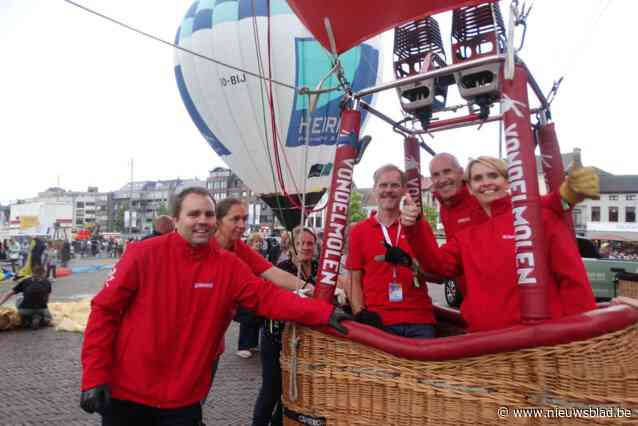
point(65, 256)
point(33, 308)
point(52, 256)
point(256, 242)
point(161, 225)
point(14, 250)
point(268, 408)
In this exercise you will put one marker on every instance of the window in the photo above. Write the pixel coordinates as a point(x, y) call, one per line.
point(613, 214)
point(318, 222)
point(630, 197)
point(80, 204)
point(630, 214)
point(578, 217)
point(595, 214)
point(613, 197)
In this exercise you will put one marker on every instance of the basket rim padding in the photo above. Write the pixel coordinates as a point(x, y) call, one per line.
point(627, 276)
point(554, 332)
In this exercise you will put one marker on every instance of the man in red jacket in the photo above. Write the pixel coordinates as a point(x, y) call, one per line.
point(155, 327)
point(385, 293)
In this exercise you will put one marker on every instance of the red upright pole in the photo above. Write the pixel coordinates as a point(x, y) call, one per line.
point(531, 262)
point(553, 168)
point(412, 153)
point(337, 207)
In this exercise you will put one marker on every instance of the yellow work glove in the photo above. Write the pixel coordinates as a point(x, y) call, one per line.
point(580, 183)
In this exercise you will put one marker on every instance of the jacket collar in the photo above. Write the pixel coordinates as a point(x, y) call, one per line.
point(457, 198)
point(501, 206)
point(198, 251)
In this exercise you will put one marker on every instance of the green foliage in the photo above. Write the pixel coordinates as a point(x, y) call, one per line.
point(163, 209)
point(118, 221)
point(355, 210)
point(431, 215)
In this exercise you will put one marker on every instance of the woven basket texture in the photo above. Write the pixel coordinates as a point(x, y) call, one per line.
point(348, 383)
point(628, 288)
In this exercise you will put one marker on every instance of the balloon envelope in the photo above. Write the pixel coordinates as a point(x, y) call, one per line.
point(353, 21)
point(231, 109)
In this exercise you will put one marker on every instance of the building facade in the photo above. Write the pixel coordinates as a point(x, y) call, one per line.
point(136, 204)
point(223, 183)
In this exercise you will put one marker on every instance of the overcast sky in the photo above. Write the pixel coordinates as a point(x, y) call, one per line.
point(80, 97)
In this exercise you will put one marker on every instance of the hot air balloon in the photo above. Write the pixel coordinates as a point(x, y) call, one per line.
point(280, 150)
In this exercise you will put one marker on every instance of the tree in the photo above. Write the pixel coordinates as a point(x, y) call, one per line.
point(431, 215)
point(118, 222)
point(163, 209)
point(355, 211)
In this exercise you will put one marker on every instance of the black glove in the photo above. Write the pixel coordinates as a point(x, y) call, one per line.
point(397, 256)
point(370, 318)
point(97, 399)
point(336, 317)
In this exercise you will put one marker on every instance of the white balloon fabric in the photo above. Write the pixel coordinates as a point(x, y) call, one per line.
point(230, 108)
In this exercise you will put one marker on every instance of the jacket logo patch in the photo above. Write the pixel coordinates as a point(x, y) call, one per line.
point(463, 220)
point(203, 285)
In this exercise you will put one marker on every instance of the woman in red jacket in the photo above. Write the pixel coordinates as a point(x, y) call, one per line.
point(485, 253)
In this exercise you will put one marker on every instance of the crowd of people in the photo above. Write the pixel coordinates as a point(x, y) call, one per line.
point(171, 297)
point(607, 251)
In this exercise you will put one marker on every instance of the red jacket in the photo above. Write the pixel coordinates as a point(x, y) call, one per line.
point(458, 212)
point(156, 326)
point(464, 210)
point(485, 254)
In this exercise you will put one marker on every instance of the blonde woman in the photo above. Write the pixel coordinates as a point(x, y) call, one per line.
point(302, 263)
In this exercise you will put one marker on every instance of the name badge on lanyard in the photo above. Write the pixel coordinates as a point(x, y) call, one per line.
point(395, 291)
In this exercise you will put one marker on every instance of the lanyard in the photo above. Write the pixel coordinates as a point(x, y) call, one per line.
point(386, 237)
point(386, 234)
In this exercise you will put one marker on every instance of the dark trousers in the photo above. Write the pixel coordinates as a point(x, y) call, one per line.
point(51, 269)
point(127, 413)
point(415, 331)
point(248, 337)
point(268, 409)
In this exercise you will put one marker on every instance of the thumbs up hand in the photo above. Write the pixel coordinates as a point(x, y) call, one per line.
point(410, 212)
point(580, 183)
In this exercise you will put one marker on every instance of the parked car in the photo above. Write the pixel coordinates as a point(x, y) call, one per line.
point(601, 273)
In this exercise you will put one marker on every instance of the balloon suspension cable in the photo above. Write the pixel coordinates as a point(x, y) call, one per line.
point(545, 114)
point(331, 37)
point(520, 18)
point(517, 18)
point(313, 95)
point(176, 46)
point(273, 123)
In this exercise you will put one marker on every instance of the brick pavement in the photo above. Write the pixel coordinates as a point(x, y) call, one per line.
point(41, 381)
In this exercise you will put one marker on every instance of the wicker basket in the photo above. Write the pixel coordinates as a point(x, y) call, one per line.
point(627, 284)
point(340, 382)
